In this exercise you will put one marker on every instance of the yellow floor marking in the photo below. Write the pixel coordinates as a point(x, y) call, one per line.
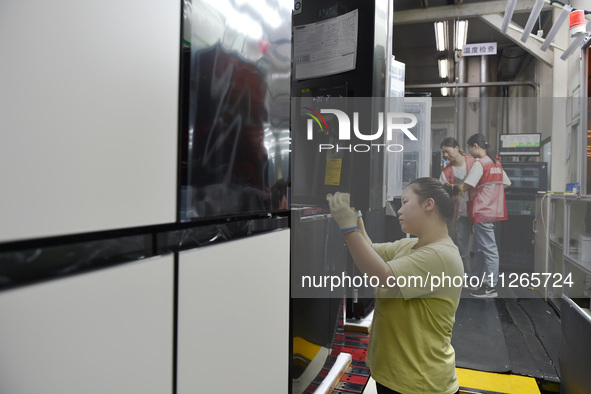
point(501, 383)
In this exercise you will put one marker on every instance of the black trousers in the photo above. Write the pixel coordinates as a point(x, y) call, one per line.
point(385, 390)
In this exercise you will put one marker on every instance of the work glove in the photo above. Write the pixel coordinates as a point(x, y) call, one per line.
point(341, 211)
point(453, 190)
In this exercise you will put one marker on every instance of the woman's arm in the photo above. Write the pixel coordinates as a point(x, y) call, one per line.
point(366, 259)
point(361, 226)
point(464, 187)
point(473, 177)
point(506, 180)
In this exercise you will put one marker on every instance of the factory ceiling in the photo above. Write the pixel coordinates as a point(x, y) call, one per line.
point(414, 36)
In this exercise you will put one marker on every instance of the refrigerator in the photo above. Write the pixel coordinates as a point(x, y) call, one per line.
point(341, 63)
point(234, 182)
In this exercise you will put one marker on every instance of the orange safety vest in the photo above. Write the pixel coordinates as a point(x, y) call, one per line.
point(451, 179)
point(487, 200)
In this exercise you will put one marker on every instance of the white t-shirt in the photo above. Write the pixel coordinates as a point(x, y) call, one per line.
point(460, 176)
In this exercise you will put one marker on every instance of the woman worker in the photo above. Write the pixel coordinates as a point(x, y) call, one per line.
point(455, 173)
point(486, 183)
point(410, 348)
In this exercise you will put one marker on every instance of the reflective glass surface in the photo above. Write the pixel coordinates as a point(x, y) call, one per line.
point(235, 138)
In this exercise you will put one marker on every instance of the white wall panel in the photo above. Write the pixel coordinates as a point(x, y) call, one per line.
point(233, 331)
point(88, 115)
point(108, 331)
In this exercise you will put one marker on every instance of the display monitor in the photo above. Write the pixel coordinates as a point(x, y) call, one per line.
point(520, 144)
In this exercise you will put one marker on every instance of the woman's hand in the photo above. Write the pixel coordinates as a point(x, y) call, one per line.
point(359, 244)
point(464, 187)
point(341, 211)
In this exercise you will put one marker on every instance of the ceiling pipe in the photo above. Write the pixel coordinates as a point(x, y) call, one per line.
point(484, 103)
point(460, 95)
point(456, 85)
point(532, 84)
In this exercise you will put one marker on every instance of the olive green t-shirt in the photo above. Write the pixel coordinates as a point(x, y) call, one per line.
point(410, 344)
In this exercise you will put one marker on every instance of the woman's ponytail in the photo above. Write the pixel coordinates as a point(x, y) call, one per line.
point(483, 143)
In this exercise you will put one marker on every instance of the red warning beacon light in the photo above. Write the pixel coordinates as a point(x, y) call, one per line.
point(577, 23)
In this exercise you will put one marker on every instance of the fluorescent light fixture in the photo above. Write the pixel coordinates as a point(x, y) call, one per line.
point(461, 34)
point(533, 17)
point(441, 35)
point(556, 26)
point(571, 48)
point(442, 68)
point(508, 15)
point(444, 92)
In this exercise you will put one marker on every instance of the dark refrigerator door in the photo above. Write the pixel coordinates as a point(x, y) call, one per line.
point(235, 92)
point(317, 251)
point(326, 163)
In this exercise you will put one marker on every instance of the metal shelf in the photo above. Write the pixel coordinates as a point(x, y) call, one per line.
point(583, 266)
point(555, 243)
point(567, 220)
point(570, 197)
